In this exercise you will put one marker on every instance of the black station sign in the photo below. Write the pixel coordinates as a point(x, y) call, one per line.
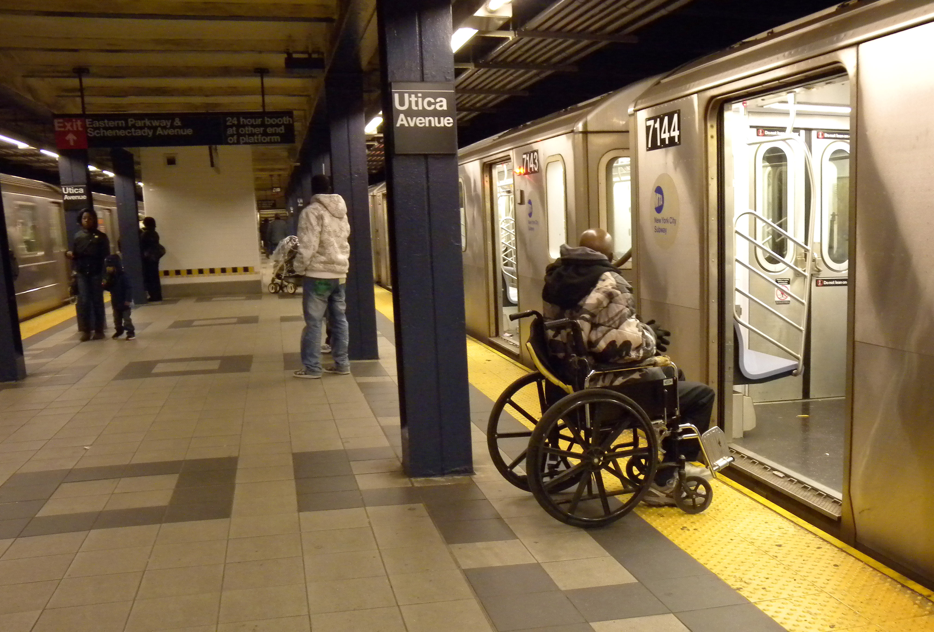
point(423, 118)
point(530, 163)
point(663, 131)
point(175, 130)
point(832, 282)
point(75, 197)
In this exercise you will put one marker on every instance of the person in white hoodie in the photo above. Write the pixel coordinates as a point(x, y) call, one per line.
point(323, 259)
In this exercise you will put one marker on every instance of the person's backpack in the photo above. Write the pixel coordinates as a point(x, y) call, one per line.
point(155, 253)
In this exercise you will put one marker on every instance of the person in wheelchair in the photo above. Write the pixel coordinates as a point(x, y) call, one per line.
point(585, 286)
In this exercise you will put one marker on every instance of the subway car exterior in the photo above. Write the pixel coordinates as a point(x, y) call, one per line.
point(782, 194)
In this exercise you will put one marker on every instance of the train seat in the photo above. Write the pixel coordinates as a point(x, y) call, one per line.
point(756, 367)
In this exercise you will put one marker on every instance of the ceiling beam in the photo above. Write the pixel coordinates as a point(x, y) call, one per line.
point(121, 92)
point(561, 35)
point(144, 45)
point(165, 72)
point(467, 92)
point(175, 10)
point(495, 65)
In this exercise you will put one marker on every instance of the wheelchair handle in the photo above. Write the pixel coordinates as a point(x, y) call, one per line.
point(531, 312)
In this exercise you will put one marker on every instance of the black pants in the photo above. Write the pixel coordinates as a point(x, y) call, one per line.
point(90, 306)
point(151, 280)
point(696, 402)
point(122, 321)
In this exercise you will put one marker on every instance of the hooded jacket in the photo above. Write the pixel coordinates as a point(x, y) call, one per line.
point(584, 286)
point(323, 238)
point(89, 250)
point(117, 283)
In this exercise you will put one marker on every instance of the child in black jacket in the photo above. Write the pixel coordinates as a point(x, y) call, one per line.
point(121, 298)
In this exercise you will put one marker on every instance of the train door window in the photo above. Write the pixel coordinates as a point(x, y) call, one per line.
point(463, 206)
point(27, 225)
point(619, 203)
point(57, 227)
point(835, 218)
point(556, 203)
point(505, 264)
point(774, 194)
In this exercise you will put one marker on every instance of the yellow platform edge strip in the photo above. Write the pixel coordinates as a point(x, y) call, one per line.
point(216, 271)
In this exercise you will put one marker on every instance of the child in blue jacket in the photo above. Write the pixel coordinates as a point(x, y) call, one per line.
point(121, 298)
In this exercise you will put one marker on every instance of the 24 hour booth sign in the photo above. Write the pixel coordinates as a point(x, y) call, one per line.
point(423, 118)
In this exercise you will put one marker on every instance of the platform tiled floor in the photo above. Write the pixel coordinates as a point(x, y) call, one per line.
point(185, 481)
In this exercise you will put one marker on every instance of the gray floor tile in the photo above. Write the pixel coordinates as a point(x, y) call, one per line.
point(66, 523)
point(24, 509)
point(450, 493)
point(470, 531)
point(325, 484)
point(155, 468)
point(188, 513)
point(202, 465)
point(129, 517)
point(462, 510)
point(573, 627)
point(517, 612)
point(367, 369)
point(391, 496)
point(330, 500)
point(370, 454)
point(605, 603)
point(743, 618)
point(694, 593)
point(510, 580)
point(27, 492)
point(12, 528)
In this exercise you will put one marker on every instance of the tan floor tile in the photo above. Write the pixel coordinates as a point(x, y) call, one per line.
point(45, 545)
point(658, 623)
point(265, 489)
point(188, 554)
point(418, 559)
point(264, 474)
point(390, 513)
point(450, 616)
point(77, 504)
point(349, 565)
point(253, 459)
point(286, 624)
point(25, 597)
point(19, 621)
point(334, 519)
point(100, 460)
point(85, 591)
point(120, 538)
point(373, 620)
point(264, 547)
point(430, 587)
point(34, 569)
point(338, 541)
point(197, 531)
point(265, 506)
point(85, 488)
point(383, 480)
point(276, 524)
point(109, 562)
point(264, 573)
point(146, 483)
point(588, 573)
point(409, 532)
point(173, 612)
point(105, 617)
point(188, 580)
point(567, 546)
point(375, 466)
point(254, 604)
point(267, 448)
point(216, 452)
point(481, 554)
point(350, 594)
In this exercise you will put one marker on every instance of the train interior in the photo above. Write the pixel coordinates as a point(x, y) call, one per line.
point(787, 202)
point(505, 254)
point(619, 200)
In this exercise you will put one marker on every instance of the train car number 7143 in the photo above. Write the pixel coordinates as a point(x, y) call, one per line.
point(663, 130)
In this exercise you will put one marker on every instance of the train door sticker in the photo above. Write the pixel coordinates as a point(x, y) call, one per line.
point(781, 296)
point(665, 214)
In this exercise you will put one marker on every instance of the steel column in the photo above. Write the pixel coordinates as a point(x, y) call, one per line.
point(128, 220)
point(427, 271)
point(12, 361)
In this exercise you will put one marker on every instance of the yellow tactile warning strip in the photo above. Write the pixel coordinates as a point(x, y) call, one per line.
point(806, 582)
point(45, 321)
point(195, 272)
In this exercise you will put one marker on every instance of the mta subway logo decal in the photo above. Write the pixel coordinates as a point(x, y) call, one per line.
point(659, 199)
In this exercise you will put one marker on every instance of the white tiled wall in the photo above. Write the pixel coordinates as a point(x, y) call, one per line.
point(205, 216)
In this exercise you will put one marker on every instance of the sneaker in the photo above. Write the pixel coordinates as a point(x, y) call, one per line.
point(661, 495)
point(85, 336)
point(131, 336)
point(118, 334)
point(697, 470)
point(97, 335)
point(305, 375)
point(325, 348)
point(336, 370)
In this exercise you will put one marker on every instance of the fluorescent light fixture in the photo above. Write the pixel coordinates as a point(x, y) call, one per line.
point(109, 174)
point(50, 154)
point(92, 168)
point(461, 36)
point(373, 125)
point(139, 184)
point(812, 107)
point(495, 5)
point(12, 141)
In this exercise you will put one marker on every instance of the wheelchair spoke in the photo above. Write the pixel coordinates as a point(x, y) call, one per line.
point(578, 493)
point(513, 435)
point(522, 410)
point(559, 452)
point(563, 476)
point(519, 459)
point(614, 469)
point(602, 491)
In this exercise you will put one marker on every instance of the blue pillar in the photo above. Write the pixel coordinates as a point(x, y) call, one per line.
point(128, 220)
point(12, 361)
point(424, 234)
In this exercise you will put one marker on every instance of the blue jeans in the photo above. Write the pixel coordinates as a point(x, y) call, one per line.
point(320, 297)
point(90, 306)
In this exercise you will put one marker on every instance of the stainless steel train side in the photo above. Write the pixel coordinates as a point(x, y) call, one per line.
point(36, 230)
point(839, 209)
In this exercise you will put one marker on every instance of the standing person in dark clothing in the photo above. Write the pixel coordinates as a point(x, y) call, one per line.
point(121, 296)
point(151, 251)
point(90, 249)
point(275, 232)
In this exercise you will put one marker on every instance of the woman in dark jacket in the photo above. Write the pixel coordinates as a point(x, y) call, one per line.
point(152, 251)
point(88, 253)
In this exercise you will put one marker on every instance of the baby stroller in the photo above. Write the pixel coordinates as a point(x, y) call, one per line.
point(284, 277)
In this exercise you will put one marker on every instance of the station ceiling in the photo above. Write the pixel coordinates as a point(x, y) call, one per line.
point(205, 55)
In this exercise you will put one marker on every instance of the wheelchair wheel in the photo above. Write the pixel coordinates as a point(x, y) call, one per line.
point(589, 438)
point(507, 438)
point(693, 495)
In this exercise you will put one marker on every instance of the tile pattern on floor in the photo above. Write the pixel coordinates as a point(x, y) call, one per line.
point(189, 482)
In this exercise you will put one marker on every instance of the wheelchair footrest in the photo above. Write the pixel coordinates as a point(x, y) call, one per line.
point(715, 448)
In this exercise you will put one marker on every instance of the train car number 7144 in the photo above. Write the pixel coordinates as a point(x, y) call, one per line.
point(663, 130)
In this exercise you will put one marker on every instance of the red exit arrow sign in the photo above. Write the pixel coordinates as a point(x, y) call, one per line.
point(71, 133)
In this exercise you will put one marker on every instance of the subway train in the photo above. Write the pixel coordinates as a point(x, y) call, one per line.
point(776, 197)
point(35, 225)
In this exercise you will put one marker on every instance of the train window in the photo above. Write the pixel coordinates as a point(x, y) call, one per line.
point(556, 204)
point(27, 226)
point(57, 227)
point(836, 215)
point(463, 205)
point(774, 200)
point(619, 203)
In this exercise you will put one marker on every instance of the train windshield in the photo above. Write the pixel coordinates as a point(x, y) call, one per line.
point(787, 208)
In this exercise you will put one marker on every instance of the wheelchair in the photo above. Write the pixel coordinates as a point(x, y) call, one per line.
point(593, 452)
